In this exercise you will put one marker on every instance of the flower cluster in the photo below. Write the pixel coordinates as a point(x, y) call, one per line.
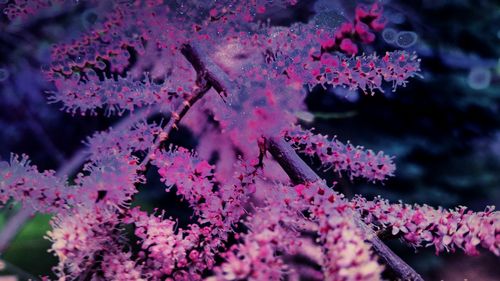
point(96, 71)
point(195, 182)
point(362, 72)
point(79, 237)
point(340, 157)
point(257, 258)
point(120, 266)
point(181, 253)
point(251, 214)
point(367, 19)
point(110, 181)
point(122, 142)
point(131, 58)
point(43, 191)
point(427, 226)
point(346, 254)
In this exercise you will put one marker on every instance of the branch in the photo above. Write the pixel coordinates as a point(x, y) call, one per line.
point(288, 159)
point(296, 168)
point(201, 88)
point(18, 272)
point(300, 172)
point(214, 75)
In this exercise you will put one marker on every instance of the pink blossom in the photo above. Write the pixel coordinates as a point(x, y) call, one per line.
point(422, 225)
point(43, 191)
point(333, 154)
point(237, 84)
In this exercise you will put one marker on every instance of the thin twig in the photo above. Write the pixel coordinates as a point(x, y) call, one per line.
point(200, 89)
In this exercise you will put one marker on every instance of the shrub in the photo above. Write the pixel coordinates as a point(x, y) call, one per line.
point(237, 83)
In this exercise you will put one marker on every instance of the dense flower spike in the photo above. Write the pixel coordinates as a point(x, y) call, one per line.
point(256, 258)
point(122, 142)
point(194, 180)
point(119, 266)
point(108, 180)
point(354, 160)
point(77, 237)
point(43, 191)
point(426, 226)
point(365, 72)
point(346, 255)
point(181, 253)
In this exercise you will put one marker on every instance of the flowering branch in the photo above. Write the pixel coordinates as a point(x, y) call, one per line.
point(300, 172)
point(340, 157)
point(424, 225)
point(248, 221)
point(176, 116)
point(297, 170)
point(15, 223)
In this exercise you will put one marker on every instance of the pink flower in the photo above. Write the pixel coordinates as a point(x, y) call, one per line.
point(333, 154)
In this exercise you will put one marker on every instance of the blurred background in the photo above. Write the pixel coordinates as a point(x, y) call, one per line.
point(443, 128)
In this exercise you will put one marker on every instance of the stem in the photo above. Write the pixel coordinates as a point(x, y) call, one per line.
point(215, 77)
point(300, 172)
point(20, 273)
point(294, 166)
point(201, 88)
point(288, 159)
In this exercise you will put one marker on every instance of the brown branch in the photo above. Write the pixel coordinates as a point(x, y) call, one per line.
point(288, 159)
point(294, 166)
point(214, 75)
point(200, 89)
point(300, 172)
point(176, 116)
